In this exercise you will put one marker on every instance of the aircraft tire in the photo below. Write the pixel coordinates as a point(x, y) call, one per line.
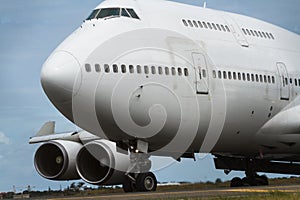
point(146, 182)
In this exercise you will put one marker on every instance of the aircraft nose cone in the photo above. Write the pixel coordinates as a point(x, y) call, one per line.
point(61, 77)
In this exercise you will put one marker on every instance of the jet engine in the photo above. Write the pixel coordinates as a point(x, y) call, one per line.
point(99, 163)
point(56, 160)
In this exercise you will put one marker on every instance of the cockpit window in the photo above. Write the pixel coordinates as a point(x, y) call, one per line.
point(113, 12)
point(125, 13)
point(109, 12)
point(132, 13)
point(93, 15)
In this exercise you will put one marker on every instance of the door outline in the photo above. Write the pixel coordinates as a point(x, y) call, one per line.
point(236, 31)
point(284, 81)
point(201, 73)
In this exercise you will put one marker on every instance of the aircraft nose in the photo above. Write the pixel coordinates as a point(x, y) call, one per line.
point(61, 77)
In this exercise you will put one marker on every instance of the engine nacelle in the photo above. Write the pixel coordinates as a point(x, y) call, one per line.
point(56, 160)
point(99, 163)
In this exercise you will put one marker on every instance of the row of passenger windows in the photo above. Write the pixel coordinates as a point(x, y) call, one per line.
point(207, 25)
point(112, 12)
point(260, 34)
point(243, 76)
point(139, 69)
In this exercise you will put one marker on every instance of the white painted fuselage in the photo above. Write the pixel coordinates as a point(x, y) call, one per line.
point(182, 79)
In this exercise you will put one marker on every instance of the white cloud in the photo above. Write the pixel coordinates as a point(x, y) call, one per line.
point(4, 139)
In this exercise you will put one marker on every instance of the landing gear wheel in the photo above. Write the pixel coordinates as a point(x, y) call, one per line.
point(128, 185)
point(236, 182)
point(146, 182)
point(262, 180)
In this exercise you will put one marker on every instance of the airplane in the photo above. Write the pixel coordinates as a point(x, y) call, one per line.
point(158, 78)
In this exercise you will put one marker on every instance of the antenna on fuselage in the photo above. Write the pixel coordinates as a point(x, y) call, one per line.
point(204, 4)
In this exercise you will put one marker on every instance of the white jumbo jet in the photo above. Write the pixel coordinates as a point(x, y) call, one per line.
point(158, 78)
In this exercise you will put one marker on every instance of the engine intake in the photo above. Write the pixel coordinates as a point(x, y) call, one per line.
point(56, 160)
point(99, 163)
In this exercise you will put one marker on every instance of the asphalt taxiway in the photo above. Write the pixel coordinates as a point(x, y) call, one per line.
point(191, 193)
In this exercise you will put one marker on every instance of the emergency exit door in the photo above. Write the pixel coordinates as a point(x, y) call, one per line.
point(202, 76)
point(284, 81)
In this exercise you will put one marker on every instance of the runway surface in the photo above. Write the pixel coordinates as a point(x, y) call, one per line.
point(192, 193)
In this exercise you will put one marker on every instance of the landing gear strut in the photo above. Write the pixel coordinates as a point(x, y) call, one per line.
point(138, 178)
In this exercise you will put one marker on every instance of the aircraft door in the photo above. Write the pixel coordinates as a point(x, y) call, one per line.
point(202, 76)
point(236, 31)
point(284, 82)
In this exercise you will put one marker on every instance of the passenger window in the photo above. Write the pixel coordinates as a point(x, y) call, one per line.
point(167, 71)
point(195, 24)
point(115, 68)
point(260, 78)
point(125, 13)
point(273, 79)
point(106, 68)
point(97, 68)
point(256, 33)
point(224, 75)
point(108, 12)
point(256, 77)
point(244, 77)
point(214, 26)
point(239, 76)
point(268, 35)
point(88, 68)
point(248, 32)
point(218, 26)
point(204, 73)
point(184, 22)
point(209, 25)
point(299, 82)
point(234, 75)
point(160, 70)
point(190, 23)
point(252, 77)
point(179, 71)
point(200, 24)
point(153, 70)
point(139, 69)
point(173, 71)
point(204, 24)
point(269, 79)
point(131, 69)
point(252, 33)
point(228, 30)
point(146, 69)
point(296, 82)
point(271, 35)
point(248, 77)
point(229, 75)
point(220, 74)
point(186, 72)
point(123, 68)
point(132, 13)
point(214, 74)
point(264, 35)
point(265, 78)
point(244, 31)
point(260, 34)
point(223, 28)
point(291, 81)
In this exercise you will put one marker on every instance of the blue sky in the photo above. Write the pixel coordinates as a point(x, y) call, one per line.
point(29, 32)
